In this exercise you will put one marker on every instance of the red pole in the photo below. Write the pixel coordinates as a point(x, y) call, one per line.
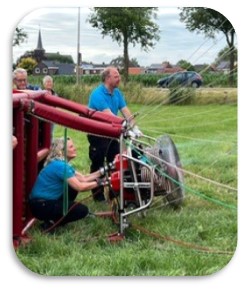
point(46, 135)
point(18, 173)
point(31, 171)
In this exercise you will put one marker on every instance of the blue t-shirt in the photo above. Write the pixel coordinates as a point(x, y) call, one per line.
point(33, 87)
point(49, 184)
point(101, 99)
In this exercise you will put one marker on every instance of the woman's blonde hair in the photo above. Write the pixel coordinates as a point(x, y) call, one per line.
point(57, 150)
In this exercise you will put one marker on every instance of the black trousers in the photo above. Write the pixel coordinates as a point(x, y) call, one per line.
point(101, 151)
point(46, 210)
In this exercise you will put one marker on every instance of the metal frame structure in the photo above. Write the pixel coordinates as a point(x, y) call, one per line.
point(33, 113)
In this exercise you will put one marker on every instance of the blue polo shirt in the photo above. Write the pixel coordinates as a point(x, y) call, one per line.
point(49, 184)
point(101, 99)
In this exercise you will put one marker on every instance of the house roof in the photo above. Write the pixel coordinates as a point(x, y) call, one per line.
point(223, 65)
point(156, 66)
point(64, 68)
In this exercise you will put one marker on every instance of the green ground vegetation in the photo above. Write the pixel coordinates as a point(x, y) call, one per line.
point(142, 89)
point(206, 138)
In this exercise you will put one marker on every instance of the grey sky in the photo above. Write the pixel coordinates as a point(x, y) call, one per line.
point(12, 10)
point(59, 34)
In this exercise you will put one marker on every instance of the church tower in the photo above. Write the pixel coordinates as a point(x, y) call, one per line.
point(39, 51)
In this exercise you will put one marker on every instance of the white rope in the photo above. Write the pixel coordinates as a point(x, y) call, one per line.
point(190, 173)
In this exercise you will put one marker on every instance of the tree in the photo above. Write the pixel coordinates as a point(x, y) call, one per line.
point(27, 54)
point(28, 64)
point(59, 57)
point(134, 62)
point(19, 36)
point(210, 22)
point(127, 25)
point(119, 62)
point(185, 65)
point(224, 55)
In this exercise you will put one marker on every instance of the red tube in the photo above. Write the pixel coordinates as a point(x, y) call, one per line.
point(73, 121)
point(81, 109)
point(57, 101)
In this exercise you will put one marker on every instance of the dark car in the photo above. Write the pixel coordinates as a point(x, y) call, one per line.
point(183, 78)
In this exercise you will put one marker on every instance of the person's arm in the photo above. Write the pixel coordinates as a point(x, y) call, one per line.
point(128, 115)
point(81, 186)
point(90, 177)
point(136, 132)
point(14, 141)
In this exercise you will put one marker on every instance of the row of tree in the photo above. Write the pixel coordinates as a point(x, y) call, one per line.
point(136, 26)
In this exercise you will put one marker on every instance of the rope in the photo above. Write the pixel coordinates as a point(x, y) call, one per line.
point(65, 184)
point(181, 243)
point(193, 174)
point(178, 183)
point(151, 234)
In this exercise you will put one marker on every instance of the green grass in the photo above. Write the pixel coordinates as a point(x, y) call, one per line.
point(206, 138)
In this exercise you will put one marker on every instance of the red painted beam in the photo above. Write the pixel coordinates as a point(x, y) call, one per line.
point(18, 173)
point(72, 121)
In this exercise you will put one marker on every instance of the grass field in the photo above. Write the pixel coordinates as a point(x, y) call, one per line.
point(199, 239)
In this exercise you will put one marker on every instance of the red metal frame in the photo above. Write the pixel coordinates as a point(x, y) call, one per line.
point(18, 173)
point(32, 112)
point(34, 139)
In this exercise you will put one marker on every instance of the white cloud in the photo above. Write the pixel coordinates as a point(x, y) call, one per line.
point(59, 28)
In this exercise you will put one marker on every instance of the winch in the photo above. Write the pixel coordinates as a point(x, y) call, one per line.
point(142, 172)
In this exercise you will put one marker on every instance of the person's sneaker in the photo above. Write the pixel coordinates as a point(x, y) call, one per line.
point(91, 215)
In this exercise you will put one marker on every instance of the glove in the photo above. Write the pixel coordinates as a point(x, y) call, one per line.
point(106, 169)
point(102, 182)
point(135, 132)
point(103, 171)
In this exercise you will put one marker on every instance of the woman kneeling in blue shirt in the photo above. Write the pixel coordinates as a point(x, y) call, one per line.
point(46, 198)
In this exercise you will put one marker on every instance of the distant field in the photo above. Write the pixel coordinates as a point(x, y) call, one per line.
point(217, 79)
point(142, 89)
point(200, 96)
point(206, 138)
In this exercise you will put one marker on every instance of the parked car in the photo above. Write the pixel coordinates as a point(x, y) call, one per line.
point(183, 78)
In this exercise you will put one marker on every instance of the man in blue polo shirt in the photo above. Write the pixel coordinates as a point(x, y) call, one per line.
point(107, 98)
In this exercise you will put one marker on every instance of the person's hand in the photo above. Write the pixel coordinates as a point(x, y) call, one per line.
point(105, 169)
point(102, 182)
point(137, 131)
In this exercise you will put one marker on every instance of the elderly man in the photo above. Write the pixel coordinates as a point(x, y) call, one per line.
point(108, 98)
point(20, 80)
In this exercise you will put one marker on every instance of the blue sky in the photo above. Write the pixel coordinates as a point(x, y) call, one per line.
point(59, 28)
